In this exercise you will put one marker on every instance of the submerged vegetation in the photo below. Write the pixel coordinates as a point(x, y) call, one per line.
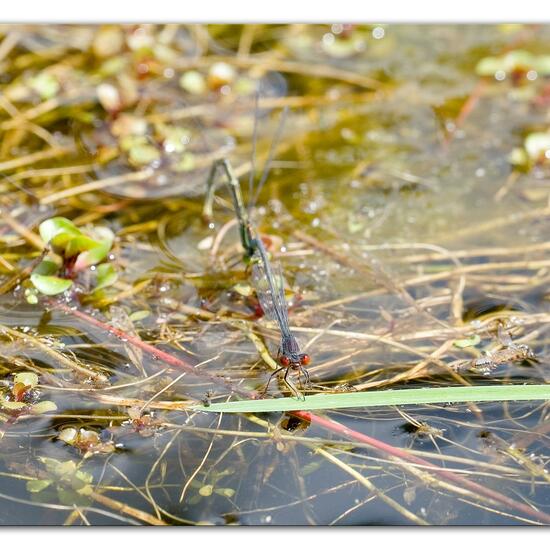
point(407, 203)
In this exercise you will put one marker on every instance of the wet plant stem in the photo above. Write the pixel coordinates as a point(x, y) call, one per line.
point(151, 350)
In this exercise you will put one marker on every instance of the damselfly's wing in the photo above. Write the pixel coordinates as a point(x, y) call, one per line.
point(269, 283)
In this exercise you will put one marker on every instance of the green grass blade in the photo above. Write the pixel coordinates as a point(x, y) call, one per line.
point(416, 396)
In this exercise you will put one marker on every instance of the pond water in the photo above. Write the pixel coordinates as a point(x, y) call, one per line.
point(408, 205)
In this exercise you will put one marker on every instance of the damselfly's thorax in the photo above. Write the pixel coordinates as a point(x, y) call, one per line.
point(290, 354)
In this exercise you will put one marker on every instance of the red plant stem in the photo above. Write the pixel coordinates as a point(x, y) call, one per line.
point(325, 423)
point(467, 108)
point(152, 350)
point(459, 480)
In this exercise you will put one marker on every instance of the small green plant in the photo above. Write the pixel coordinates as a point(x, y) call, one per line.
point(23, 397)
point(64, 479)
point(535, 151)
point(73, 252)
point(89, 442)
point(515, 64)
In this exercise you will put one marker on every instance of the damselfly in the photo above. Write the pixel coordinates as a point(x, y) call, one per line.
point(267, 280)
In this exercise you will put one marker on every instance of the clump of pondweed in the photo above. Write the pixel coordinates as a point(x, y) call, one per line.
point(73, 252)
point(65, 480)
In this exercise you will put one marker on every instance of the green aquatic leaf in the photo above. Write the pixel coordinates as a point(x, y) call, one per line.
point(46, 267)
point(542, 65)
point(29, 379)
point(79, 244)
point(193, 82)
point(51, 227)
point(37, 485)
point(68, 435)
point(206, 490)
point(537, 145)
point(12, 405)
point(43, 407)
point(50, 285)
point(83, 477)
point(31, 298)
point(93, 256)
point(488, 66)
point(518, 59)
point(141, 155)
point(106, 275)
point(512, 61)
point(518, 157)
point(467, 342)
point(225, 492)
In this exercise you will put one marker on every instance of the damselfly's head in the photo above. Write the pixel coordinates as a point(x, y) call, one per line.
point(294, 361)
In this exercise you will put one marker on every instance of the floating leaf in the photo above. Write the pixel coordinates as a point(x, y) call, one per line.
point(518, 157)
point(51, 227)
point(79, 244)
point(43, 407)
point(29, 379)
point(68, 435)
point(85, 477)
point(193, 82)
point(206, 490)
point(542, 65)
point(50, 285)
point(516, 60)
point(142, 155)
point(37, 485)
point(12, 405)
point(537, 145)
point(46, 267)
point(467, 342)
point(103, 234)
point(225, 492)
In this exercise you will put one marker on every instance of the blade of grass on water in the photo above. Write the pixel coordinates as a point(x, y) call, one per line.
point(415, 396)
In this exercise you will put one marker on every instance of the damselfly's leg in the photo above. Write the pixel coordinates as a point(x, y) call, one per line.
point(234, 186)
point(292, 387)
point(207, 209)
point(277, 371)
point(306, 376)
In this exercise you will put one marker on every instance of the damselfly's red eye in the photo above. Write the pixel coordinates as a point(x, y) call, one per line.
point(305, 359)
point(284, 360)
